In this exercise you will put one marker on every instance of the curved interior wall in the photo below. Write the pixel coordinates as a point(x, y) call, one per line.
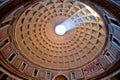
point(22, 68)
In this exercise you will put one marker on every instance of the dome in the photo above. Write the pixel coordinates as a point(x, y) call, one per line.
point(59, 39)
point(36, 37)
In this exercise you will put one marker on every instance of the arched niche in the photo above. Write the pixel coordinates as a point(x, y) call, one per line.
point(60, 77)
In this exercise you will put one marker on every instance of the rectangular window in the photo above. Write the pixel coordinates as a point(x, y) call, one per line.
point(48, 76)
point(114, 22)
point(4, 24)
point(110, 57)
point(73, 75)
point(11, 57)
point(23, 66)
point(116, 41)
point(35, 72)
point(4, 42)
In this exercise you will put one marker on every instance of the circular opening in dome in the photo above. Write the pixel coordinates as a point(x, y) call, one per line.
point(60, 29)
